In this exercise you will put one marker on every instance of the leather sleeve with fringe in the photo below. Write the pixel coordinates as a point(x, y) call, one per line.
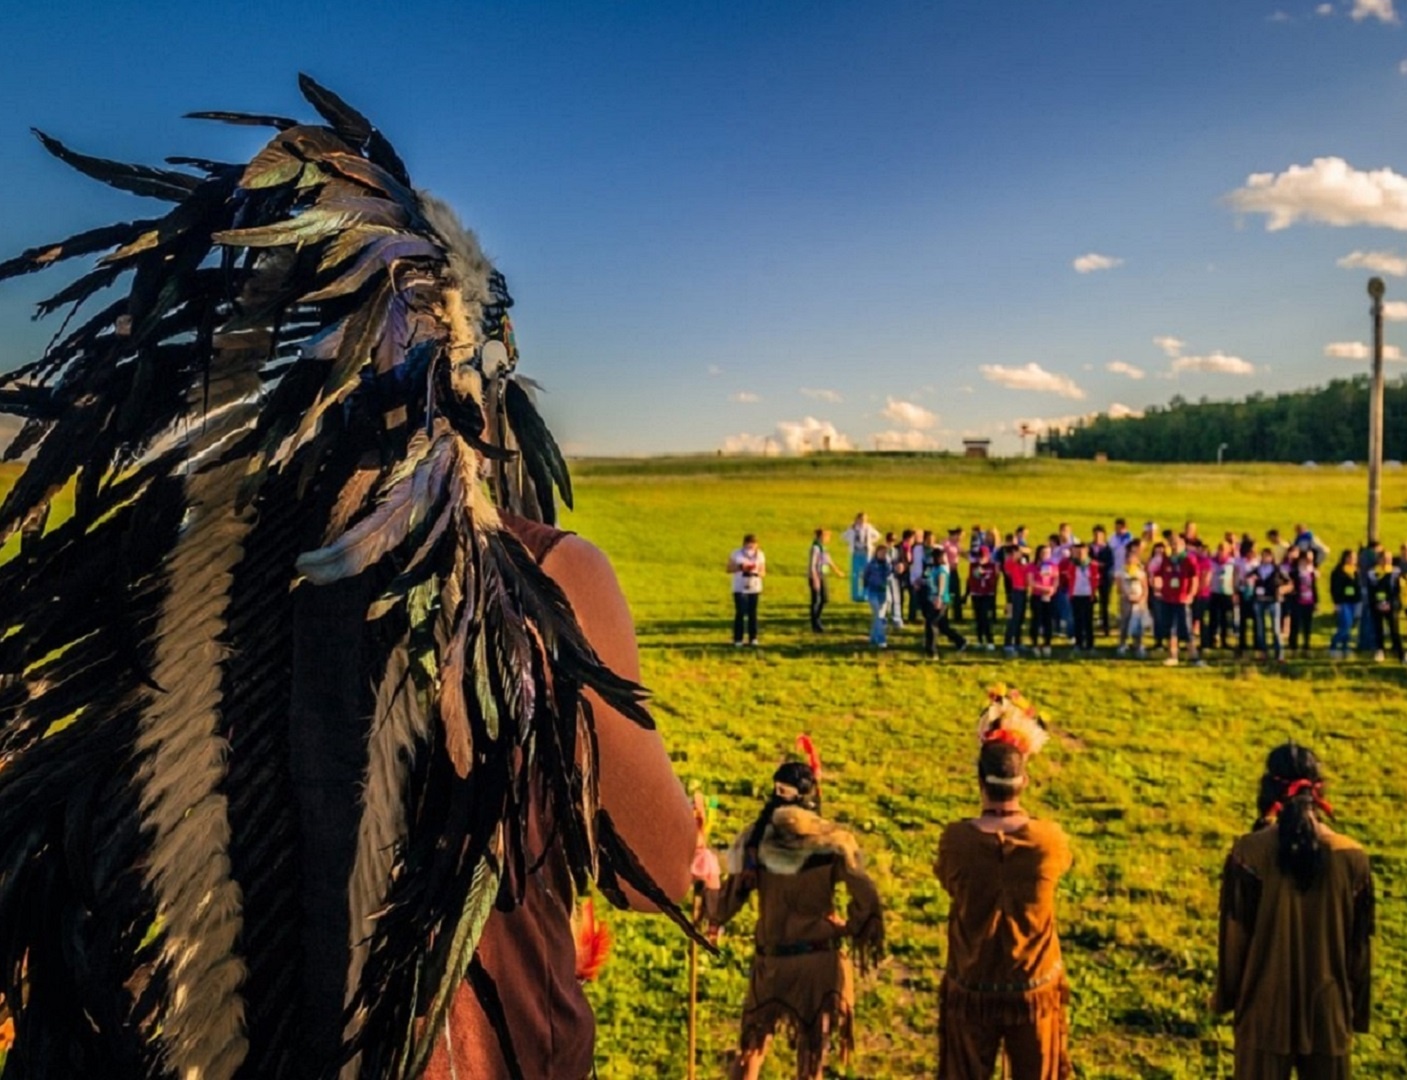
point(1241, 890)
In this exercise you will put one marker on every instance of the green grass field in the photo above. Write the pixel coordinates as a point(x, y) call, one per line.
point(1152, 771)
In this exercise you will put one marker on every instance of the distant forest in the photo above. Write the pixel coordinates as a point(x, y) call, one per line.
point(1328, 424)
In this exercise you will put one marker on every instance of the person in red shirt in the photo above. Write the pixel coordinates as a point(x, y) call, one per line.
point(982, 588)
point(1017, 571)
point(1180, 575)
point(1079, 577)
point(1202, 601)
point(1045, 583)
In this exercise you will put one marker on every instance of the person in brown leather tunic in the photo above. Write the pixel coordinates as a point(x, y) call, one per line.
point(1297, 920)
point(530, 952)
point(802, 980)
point(1004, 984)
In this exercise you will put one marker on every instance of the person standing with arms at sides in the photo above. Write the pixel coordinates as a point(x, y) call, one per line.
point(1221, 612)
point(1102, 552)
point(1119, 542)
point(860, 538)
point(1179, 577)
point(1344, 591)
point(1081, 577)
point(898, 573)
point(1385, 597)
point(876, 580)
point(1004, 983)
point(1157, 557)
point(1133, 602)
point(819, 568)
point(982, 588)
point(1017, 569)
point(1269, 587)
point(1367, 625)
point(802, 977)
point(1246, 567)
point(1303, 600)
point(1297, 919)
point(922, 552)
point(937, 591)
point(952, 551)
point(903, 562)
point(1044, 581)
point(1062, 544)
point(748, 566)
point(1202, 601)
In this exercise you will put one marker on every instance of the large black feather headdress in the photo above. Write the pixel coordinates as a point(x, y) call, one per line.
point(298, 412)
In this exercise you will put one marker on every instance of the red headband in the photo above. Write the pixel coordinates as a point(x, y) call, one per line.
point(1297, 787)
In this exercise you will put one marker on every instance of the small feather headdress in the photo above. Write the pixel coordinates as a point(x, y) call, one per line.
point(1008, 717)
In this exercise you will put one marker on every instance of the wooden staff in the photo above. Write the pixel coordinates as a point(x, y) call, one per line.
point(694, 985)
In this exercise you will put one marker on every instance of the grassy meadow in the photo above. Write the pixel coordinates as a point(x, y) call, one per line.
point(1152, 771)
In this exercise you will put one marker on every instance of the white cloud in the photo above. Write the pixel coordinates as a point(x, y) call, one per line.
point(1325, 10)
point(1357, 350)
point(1382, 10)
point(1402, 67)
point(1217, 363)
point(912, 439)
point(791, 437)
point(1329, 190)
point(1118, 367)
point(1119, 411)
point(1031, 377)
point(1382, 262)
point(714, 371)
point(1395, 311)
point(906, 414)
point(1279, 17)
point(1088, 264)
point(744, 397)
point(821, 394)
point(1171, 346)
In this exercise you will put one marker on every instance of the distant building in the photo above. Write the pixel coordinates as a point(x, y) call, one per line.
point(977, 448)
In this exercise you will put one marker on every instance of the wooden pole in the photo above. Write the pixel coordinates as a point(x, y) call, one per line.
point(1375, 414)
point(694, 987)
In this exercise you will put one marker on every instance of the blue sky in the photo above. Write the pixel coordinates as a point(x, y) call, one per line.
point(867, 217)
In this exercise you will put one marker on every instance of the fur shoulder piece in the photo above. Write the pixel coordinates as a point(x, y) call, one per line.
point(794, 836)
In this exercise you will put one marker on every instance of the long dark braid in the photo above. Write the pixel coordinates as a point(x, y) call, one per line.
point(1290, 799)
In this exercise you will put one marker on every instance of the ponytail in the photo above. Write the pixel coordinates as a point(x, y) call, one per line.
point(1291, 796)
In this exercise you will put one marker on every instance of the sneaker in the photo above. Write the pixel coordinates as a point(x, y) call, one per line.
point(1142, 653)
point(752, 644)
point(737, 644)
point(1122, 650)
point(1009, 650)
point(1046, 652)
point(1379, 657)
point(991, 647)
point(1199, 662)
point(962, 648)
point(1171, 661)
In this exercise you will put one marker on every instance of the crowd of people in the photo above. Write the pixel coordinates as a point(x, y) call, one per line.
point(1163, 590)
point(1295, 922)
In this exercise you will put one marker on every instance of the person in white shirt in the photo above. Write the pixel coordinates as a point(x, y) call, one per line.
point(861, 538)
point(748, 566)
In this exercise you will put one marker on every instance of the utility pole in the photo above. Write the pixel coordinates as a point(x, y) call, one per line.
point(1220, 453)
point(1375, 413)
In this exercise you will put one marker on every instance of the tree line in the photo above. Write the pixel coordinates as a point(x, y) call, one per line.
point(1325, 424)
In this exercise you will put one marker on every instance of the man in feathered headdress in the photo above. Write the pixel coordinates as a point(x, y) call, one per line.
point(802, 981)
point(1005, 982)
point(311, 724)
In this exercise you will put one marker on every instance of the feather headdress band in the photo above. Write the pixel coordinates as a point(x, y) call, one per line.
point(1008, 717)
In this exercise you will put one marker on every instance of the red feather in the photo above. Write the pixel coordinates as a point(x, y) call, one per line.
point(593, 943)
point(813, 756)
